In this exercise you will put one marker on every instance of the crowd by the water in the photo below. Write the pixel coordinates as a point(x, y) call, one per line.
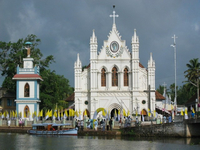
point(103, 124)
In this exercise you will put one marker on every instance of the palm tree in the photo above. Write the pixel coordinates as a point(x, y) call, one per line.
point(193, 72)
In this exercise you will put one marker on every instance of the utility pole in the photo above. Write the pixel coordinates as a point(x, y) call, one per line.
point(174, 46)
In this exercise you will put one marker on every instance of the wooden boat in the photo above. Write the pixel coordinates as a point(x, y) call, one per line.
point(52, 129)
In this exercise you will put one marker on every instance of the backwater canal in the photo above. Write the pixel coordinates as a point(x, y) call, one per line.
point(16, 141)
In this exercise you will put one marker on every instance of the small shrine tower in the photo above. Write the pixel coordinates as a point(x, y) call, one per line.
point(27, 87)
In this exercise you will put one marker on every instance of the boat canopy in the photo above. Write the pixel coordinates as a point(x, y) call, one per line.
point(52, 124)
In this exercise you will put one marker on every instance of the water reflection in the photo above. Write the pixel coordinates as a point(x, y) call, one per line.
point(25, 141)
point(175, 140)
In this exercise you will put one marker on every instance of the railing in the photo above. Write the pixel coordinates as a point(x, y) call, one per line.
point(26, 69)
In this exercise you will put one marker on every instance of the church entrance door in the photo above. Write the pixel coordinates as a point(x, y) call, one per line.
point(114, 114)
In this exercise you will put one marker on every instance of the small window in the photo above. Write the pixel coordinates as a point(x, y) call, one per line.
point(26, 90)
point(143, 102)
point(125, 77)
point(86, 102)
point(103, 77)
point(114, 77)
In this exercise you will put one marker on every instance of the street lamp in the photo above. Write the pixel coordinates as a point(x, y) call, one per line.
point(174, 46)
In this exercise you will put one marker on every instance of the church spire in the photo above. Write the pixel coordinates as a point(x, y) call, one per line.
point(78, 62)
point(151, 62)
point(135, 38)
point(113, 15)
point(93, 38)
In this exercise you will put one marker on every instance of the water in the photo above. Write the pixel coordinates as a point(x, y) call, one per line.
point(15, 141)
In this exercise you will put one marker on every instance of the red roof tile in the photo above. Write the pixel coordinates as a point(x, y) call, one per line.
point(70, 98)
point(27, 76)
point(159, 96)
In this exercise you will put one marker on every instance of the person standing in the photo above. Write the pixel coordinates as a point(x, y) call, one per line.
point(95, 125)
point(110, 123)
point(9, 123)
point(104, 124)
point(107, 124)
point(81, 125)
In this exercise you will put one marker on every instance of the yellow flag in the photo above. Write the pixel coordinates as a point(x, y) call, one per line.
point(50, 113)
point(128, 113)
point(193, 110)
point(181, 112)
point(55, 113)
point(124, 113)
point(73, 112)
point(186, 111)
point(136, 113)
point(85, 114)
point(76, 113)
point(119, 112)
point(154, 113)
point(70, 113)
point(149, 113)
point(41, 113)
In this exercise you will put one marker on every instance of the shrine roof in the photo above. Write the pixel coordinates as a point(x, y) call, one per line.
point(27, 77)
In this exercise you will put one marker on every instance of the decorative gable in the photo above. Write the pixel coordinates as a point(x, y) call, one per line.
point(114, 47)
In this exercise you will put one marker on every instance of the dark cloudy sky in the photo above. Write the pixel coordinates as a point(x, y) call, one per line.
point(65, 27)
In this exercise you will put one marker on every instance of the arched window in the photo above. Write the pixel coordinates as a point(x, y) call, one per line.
point(103, 77)
point(26, 111)
point(26, 90)
point(114, 77)
point(125, 77)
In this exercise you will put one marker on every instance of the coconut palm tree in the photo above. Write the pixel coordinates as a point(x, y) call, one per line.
point(192, 74)
point(193, 71)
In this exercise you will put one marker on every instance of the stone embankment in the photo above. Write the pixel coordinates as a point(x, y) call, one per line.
point(14, 129)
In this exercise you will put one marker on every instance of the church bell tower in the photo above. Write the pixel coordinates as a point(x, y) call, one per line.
point(27, 87)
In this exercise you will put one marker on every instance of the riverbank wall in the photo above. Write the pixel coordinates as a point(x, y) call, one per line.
point(175, 129)
point(14, 129)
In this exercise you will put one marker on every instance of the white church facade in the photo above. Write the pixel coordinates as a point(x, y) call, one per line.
point(115, 79)
point(27, 88)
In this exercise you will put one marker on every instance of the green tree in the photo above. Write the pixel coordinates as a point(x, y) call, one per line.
point(192, 74)
point(54, 89)
point(11, 55)
point(160, 89)
point(183, 95)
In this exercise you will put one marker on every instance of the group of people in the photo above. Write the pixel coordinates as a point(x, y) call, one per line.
point(79, 125)
point(21, 123)
point(126, 121)
point(104, 124)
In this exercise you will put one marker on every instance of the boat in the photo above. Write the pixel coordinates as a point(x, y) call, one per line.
point(52, 129)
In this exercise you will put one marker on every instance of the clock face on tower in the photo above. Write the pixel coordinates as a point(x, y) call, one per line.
point(114, 46)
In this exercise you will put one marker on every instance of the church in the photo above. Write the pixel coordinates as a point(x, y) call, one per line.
point(115, 80)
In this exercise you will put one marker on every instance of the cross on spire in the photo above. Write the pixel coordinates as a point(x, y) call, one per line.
point(174, 37)
point(113, 15)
